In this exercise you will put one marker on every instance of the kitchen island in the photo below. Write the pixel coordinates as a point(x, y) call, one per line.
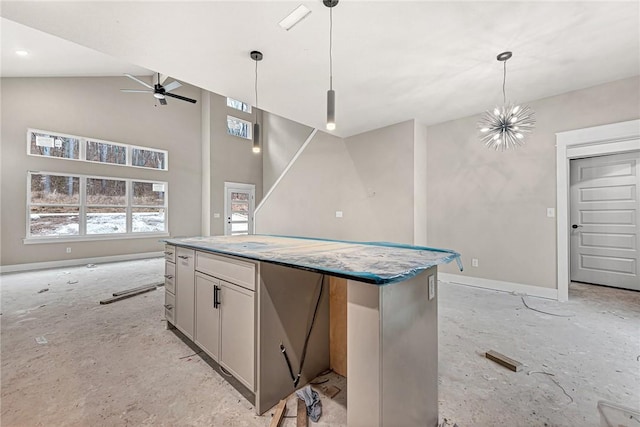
point(259, 306)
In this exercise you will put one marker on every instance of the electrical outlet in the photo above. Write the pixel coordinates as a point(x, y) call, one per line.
point(216, 214)
point(474, 262)
point(432, 287)
point(68, 250)
point(551, 212)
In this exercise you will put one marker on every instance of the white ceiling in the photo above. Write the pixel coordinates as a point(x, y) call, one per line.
point(393, 60)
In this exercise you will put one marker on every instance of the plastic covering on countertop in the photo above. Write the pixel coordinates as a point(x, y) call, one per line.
point(378, 263)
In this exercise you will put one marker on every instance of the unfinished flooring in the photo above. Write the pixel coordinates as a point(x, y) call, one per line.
point(117, 365)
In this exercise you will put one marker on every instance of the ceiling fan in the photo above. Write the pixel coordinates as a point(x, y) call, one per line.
point(159, 92)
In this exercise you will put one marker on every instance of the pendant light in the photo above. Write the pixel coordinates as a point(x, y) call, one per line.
point(256, 56)
point(331, 95)
point(506, 127)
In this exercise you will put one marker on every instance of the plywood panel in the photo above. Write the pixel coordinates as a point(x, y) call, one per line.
point(338, 325)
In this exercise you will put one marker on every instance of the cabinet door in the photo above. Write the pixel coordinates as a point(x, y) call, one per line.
point(237, 340)
point(207, 333)
point(185, 287)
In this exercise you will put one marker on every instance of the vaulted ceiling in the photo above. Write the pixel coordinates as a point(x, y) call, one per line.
point(393, 60)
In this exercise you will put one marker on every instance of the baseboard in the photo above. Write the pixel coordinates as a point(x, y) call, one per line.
point(79, 261)
point(497, 285)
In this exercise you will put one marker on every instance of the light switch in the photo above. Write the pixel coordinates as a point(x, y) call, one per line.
point(551, 212)
point(216, 215)
point(338, 214)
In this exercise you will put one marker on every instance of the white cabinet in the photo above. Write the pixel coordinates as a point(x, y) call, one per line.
point(169, 285)
point(225, 315)
point(185, 290)
point(208, 315)
point(237, 339)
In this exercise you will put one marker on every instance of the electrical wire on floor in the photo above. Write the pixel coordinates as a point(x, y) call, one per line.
point(191, 355)
point(550, 375)
point(545, 312)
point(296, 378)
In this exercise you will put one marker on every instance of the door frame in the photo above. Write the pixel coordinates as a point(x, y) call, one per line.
point(613, 138)
point(252, 202)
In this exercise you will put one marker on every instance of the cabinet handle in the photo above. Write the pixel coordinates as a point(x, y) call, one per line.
point(168, 253)
point(168, 306)
point(183, 256)
point(168, 276)
point(216, 296)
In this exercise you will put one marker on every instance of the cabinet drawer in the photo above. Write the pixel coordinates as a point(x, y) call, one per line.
point(170, 307)
point(233, 270)
point(170, 253)
point(170, 277)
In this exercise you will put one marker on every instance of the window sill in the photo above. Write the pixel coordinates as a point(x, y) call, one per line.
point(70, 239)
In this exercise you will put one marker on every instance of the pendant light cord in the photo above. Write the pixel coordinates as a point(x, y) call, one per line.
point(256, 84)
point(331, 48)
point(504, 81)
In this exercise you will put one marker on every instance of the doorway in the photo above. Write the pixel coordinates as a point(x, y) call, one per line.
point(602, 140)
point(604, 207)
point(239, 206)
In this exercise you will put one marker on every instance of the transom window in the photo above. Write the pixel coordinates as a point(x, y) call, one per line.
point(238, 105)
point(68, 206)
point(239, 127)
point(62, 146)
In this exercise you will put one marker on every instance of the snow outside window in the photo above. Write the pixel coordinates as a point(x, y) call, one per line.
point(79, 206)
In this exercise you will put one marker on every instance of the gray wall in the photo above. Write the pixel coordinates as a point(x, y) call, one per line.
point(492, 205)
point(95, 107)
point(369, 177)
point(282, 138)
point(232, 159)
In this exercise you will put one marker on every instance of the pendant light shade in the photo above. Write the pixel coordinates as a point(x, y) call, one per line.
point(331, 109)
point(256, 56)
point(331, 94)
point(507, 126)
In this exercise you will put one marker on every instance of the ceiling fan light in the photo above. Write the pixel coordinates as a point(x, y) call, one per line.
point(158, 96)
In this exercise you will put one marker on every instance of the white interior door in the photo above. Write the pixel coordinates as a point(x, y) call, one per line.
point(605, 195)
point(238, 208)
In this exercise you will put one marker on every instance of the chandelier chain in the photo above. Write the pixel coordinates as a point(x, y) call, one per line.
point(504, 81)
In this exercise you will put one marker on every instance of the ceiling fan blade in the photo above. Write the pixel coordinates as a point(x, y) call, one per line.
point(139, 81)
point(162, 101)
point(171, 86)
point(136, 91)
point(184, 98)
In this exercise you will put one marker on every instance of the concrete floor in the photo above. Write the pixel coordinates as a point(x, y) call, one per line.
point(117, 365)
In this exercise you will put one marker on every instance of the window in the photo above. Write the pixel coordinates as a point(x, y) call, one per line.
point(146, 158)
point(238, 127)
point(238, 105)
point(78, 206)
point(54, 145)
point(51, 144)
point(105, 152)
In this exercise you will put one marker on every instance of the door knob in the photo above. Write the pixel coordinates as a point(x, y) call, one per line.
point(574, 226)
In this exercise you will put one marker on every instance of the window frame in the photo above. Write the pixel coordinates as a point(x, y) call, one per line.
point(82, 156)
point(83, 208)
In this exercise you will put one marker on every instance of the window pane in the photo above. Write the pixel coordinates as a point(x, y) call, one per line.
point(148, 193)
point(148, 220)
point(54, 221)
point(147, 158)
point(238, 127)
point(239, 196)
point(51, 145)
point(106, 220)
point(55, 189)
point(238, 105)
point(106, 192)
point(106, 153)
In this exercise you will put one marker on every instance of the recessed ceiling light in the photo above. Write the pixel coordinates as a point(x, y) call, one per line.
point(21, 52)
point(294, 17)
